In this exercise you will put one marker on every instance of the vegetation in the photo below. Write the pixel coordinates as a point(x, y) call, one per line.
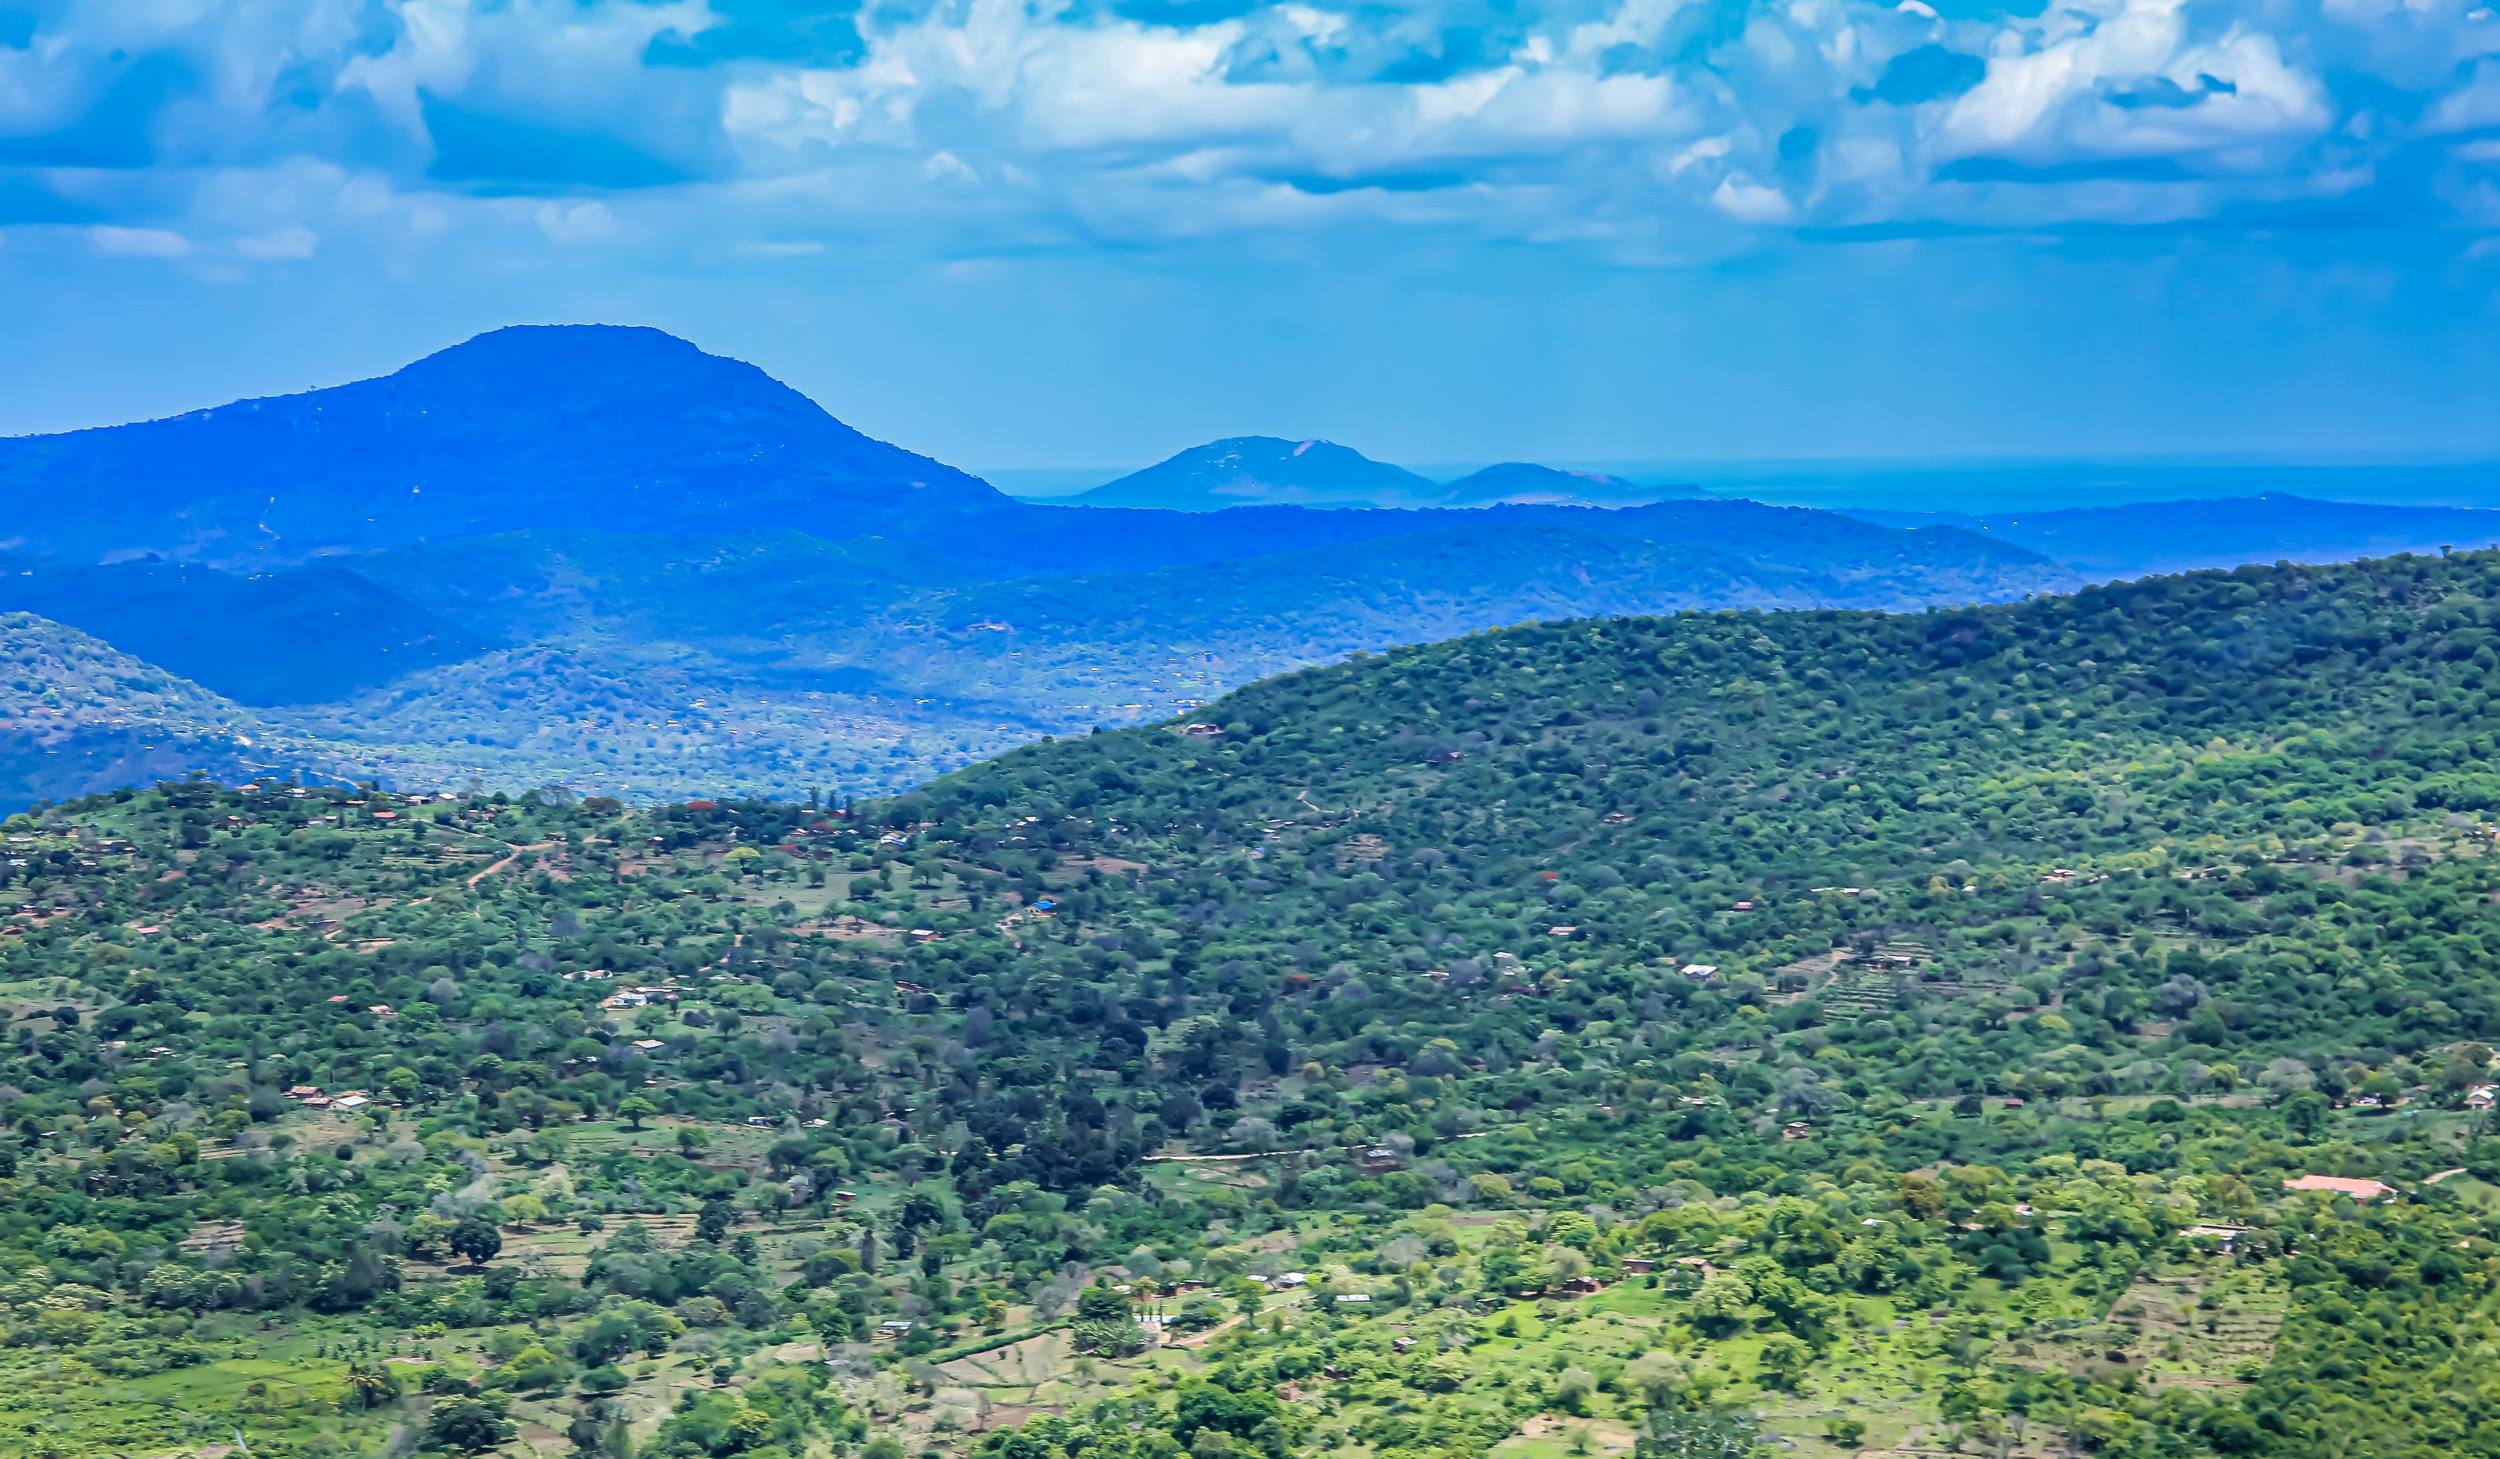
point(1696, 1036)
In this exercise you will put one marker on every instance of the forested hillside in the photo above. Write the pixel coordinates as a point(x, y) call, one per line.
point(2037, 1030)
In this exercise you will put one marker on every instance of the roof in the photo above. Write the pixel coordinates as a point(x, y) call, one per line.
point(2359, 1190)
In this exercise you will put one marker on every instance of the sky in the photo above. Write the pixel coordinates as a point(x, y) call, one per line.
point(1080, 233)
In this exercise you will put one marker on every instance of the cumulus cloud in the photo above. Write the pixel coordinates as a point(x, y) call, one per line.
point(1652, 127)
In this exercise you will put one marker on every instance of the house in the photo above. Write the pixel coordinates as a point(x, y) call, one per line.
point(893, 839)
point(2226, 1237)
point(891, 1329)
point(1202, 730)
point(382, 1010)
point(1582, 1287)
point(1357, 1299)
point(1293, 1279)
point(762, 1122)
point(624, 1000)
point(1562, 931)
point(1742, 907)
point(303, 1091)
point(1402, 1345)
point(1701, 972)
point(1796, 1130)
point(1045, 906)
point(647, 1045)
point(2479, 1097)
point(923, 934)
point(1638, 1266)
point(348, 1101)
point(2359, 1190)
point(1380, 1157)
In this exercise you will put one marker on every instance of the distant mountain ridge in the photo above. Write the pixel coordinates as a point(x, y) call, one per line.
point(532, 426)
point(2140, 538)
point(601, 557)
point(1242, 471)
point(1524, 483)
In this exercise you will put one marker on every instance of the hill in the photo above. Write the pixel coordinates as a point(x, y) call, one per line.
point(527, 427)
point(2050, 1026)
point(2180, 536)
point(1521, 483)
point(777, 661)
point(1264, 471)
point(294, 635)
point(78, 716)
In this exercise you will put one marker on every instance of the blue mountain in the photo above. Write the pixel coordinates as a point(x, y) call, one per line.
point(621, 429)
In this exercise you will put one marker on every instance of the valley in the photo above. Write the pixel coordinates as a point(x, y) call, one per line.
point(535, 559)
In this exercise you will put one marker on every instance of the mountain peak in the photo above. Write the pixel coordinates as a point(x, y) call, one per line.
point(1242, 471)
point(611, 427)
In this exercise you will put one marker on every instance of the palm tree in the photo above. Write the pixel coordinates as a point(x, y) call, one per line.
point(369, 1387)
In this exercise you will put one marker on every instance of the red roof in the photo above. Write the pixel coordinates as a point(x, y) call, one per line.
point(2359, 1190)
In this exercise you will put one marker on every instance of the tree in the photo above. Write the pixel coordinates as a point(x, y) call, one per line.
point(1686, 1433)
point(477, 1239)
point(636, 1108)
point(1720, 1302)
point(1784, 1360)
point(468, 1425)
point(368, 1386)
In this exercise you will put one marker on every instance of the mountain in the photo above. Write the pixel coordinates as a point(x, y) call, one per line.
point(1522, 483)
point(1264, 471)
point(2180, 536)
point(568, 426)
point(294, 635)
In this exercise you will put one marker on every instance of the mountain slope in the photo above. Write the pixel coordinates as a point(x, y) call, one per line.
point(2180, 536)
point(296, 635)
point(534, 426)
point(1263, 471)
point(78, 716)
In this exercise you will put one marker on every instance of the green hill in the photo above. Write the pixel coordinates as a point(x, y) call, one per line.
point(1824, 1032)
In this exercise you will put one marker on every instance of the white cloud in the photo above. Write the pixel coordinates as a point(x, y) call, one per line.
point(577, 221)
point(1644, 126)
point(119, 242)
point(286, 243)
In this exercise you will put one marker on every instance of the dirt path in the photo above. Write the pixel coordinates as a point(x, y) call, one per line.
point(491, 868)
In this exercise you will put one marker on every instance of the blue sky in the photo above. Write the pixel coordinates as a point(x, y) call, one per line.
point(1088, 233)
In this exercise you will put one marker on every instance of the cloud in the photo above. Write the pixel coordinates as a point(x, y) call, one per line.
point(1646, 127)
point(114, 241)
point(579, 221)
point(284, 244)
